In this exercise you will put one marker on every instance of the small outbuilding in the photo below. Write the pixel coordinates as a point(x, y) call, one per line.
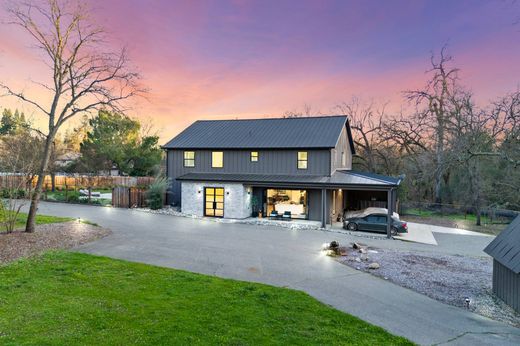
point(505, 250)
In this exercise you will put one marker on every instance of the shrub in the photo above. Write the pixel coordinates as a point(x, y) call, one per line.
point(156, 192)
point(13, 193)
point(73, 197)
point(9, 211)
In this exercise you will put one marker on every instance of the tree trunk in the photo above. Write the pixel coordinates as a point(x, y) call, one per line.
point(440, 165)
point(35, 197)
point(474, 177)
point(53, 181)
point(478, 216)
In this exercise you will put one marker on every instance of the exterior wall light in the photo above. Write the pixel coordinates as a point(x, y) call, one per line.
point(227, 192)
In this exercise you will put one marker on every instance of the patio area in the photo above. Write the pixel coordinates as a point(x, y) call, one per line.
point(292, 223)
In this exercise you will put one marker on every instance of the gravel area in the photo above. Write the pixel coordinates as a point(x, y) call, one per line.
point(446, 278)
point(50, 236)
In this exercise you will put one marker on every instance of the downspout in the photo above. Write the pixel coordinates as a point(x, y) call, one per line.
point(323, 208)
point(168, 189)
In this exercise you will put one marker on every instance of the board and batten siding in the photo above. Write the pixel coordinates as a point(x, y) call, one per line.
point(283, 161)
point(506, 285)
point(342, 148)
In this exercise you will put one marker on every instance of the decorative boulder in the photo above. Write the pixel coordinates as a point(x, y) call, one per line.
point(374, 265)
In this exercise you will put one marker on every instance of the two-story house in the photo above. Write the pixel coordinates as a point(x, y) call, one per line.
point(238, 168)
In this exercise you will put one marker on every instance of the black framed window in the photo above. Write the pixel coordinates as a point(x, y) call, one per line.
point(302, 160)
point(189, 159)
point(254, 156)
point(217, 159)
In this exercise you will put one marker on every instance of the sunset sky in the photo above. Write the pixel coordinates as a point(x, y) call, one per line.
point(238, 59)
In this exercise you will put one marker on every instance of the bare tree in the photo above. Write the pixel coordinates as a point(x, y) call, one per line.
point(306, 111)
point(436, 104)
point(367, 123)
point(83, 77)
point(504, 125)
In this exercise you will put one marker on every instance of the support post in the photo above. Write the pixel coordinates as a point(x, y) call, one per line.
point(394, 200)
point(323, 205)
point(390, 213)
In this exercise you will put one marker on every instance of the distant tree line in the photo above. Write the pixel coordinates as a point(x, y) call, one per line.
point(98, 145)
point(451, 150)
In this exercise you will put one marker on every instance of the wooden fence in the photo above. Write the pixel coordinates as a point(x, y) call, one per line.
point(75, 182)
point(128, 197)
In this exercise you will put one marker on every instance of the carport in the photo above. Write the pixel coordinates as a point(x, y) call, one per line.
point(350, 190)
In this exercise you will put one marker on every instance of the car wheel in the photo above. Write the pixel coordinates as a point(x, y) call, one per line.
point(352, 226)
point(394, 231)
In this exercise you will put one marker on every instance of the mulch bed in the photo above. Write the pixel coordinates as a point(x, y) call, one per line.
point(63, 235)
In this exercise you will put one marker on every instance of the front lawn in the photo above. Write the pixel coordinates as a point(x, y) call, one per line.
point(40, 220)
point(63, 298)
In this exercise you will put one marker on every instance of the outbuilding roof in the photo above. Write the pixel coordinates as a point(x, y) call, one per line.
point(267, 133)
point(505, 248)
point(340, 178)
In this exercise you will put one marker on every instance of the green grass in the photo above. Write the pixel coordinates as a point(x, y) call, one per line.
point(63, 298)
point(40, 219)
point(74, 197)
point(60, 193)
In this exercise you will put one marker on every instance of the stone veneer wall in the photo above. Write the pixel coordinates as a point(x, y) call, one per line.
point(237, 204)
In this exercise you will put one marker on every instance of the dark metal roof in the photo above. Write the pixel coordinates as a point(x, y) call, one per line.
point(505, 248)
point(376, 177)
point(272, 133)
point(339, 178)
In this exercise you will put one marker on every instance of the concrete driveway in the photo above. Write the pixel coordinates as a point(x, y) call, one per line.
point(288, 258)
point(425, 234)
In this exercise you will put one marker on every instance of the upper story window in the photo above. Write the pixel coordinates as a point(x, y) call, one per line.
point(343, 159)
point(189, 159)
point(302, 160)
point(217, 159)
point(254, 156)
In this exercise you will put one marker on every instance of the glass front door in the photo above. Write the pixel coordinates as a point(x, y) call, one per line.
point(214, 201)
